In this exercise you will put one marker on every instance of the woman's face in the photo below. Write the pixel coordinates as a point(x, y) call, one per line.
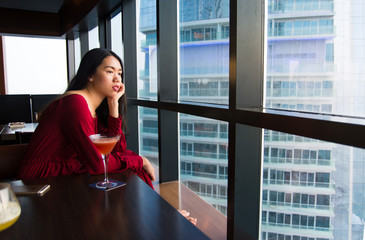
point(107, 78)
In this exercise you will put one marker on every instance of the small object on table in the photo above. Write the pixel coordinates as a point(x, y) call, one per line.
point(20, 188)
point(16, 125)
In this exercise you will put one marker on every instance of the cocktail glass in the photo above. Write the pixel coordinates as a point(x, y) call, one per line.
point(105, 144)
point(9, 206)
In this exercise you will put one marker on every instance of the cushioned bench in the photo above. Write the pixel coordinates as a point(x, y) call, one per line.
point(210, 221)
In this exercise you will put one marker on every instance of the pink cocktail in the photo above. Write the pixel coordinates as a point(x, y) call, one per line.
point(105, 145)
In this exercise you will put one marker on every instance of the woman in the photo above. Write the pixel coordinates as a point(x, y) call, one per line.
point(94, 102)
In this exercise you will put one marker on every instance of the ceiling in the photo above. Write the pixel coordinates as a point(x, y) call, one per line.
point(49, 6)
point(52, 18)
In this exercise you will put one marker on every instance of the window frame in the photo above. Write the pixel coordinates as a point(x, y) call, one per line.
point(245, 114)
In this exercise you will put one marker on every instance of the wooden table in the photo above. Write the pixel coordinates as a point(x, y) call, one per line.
point(72, 209)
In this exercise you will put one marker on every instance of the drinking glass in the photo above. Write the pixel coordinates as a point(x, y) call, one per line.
point(9, 206)
point(105, 144)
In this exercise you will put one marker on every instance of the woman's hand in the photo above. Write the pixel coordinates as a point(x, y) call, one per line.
point(120, 92)
point(186, 215)
point(113, 102)
point(147, 166)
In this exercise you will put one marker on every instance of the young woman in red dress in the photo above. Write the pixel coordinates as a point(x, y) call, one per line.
point(94, 102)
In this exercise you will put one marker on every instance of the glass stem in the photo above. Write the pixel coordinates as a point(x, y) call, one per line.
point(106, 160)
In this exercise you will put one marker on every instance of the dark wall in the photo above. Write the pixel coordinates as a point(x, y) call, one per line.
point(22, 107)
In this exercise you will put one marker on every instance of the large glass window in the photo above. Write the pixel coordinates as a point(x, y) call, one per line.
point(116, 35)
point(315, 184)
point(310, 68)
point(94, 38)
point(204, 158)
point(204, 51)
point(77, 47)
point(310, 64)
point(148, 135)
point(147, 49)
point(32, 63)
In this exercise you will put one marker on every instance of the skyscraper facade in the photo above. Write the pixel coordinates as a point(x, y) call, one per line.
point(298, 173)
point(311, 190)
point(204, 66)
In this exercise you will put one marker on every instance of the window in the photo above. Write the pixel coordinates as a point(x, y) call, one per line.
point(294, 178)
point(147, 49)
point(205, 130)
point(149, 126)
point(204, 146)
point(148, 135)
point(40, 59)
point(150, 144)
point(306, 58)
point(116, 35)
point(94, 38)
point(204, 51)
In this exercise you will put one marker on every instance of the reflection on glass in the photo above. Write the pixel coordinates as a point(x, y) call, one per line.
point(204, 51)
point(148, 135)
point(147, 50)
point(204, 158)
point(309, 188)
point(204, 55)
point(315, 57)
point(315, 63)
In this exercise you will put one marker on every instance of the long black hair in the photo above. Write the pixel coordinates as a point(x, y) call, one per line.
point(88, 65)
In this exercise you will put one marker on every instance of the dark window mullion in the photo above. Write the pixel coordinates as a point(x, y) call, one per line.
point(84, 42)
point(129, 37)
point(244, 212)
point(167, 84)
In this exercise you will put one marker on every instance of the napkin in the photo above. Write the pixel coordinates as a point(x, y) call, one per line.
point(15, 125)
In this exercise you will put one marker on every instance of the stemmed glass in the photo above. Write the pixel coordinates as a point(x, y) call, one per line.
point(105, 144)
point(9, 206)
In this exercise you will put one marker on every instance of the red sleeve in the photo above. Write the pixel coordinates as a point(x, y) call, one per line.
point(120, 153)
point(77, 126)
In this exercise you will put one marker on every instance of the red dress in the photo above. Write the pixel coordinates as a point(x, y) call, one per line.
point(61, 145)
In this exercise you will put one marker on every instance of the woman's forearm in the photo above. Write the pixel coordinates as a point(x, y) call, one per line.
point(113, 108)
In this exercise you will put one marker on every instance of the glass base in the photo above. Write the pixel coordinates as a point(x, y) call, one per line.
point(113, 184)
point(106, 184)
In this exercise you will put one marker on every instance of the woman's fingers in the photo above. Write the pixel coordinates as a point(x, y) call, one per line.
point(149, 168)
point(193, 220)
point(186, 215)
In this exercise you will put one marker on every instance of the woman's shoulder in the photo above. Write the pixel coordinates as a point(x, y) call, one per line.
point(73, 95)
point(71, 100)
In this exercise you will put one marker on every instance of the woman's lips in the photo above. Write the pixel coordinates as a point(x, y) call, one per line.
point(116, 88)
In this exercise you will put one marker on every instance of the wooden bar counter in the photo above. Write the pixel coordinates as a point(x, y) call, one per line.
point(72, 209)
